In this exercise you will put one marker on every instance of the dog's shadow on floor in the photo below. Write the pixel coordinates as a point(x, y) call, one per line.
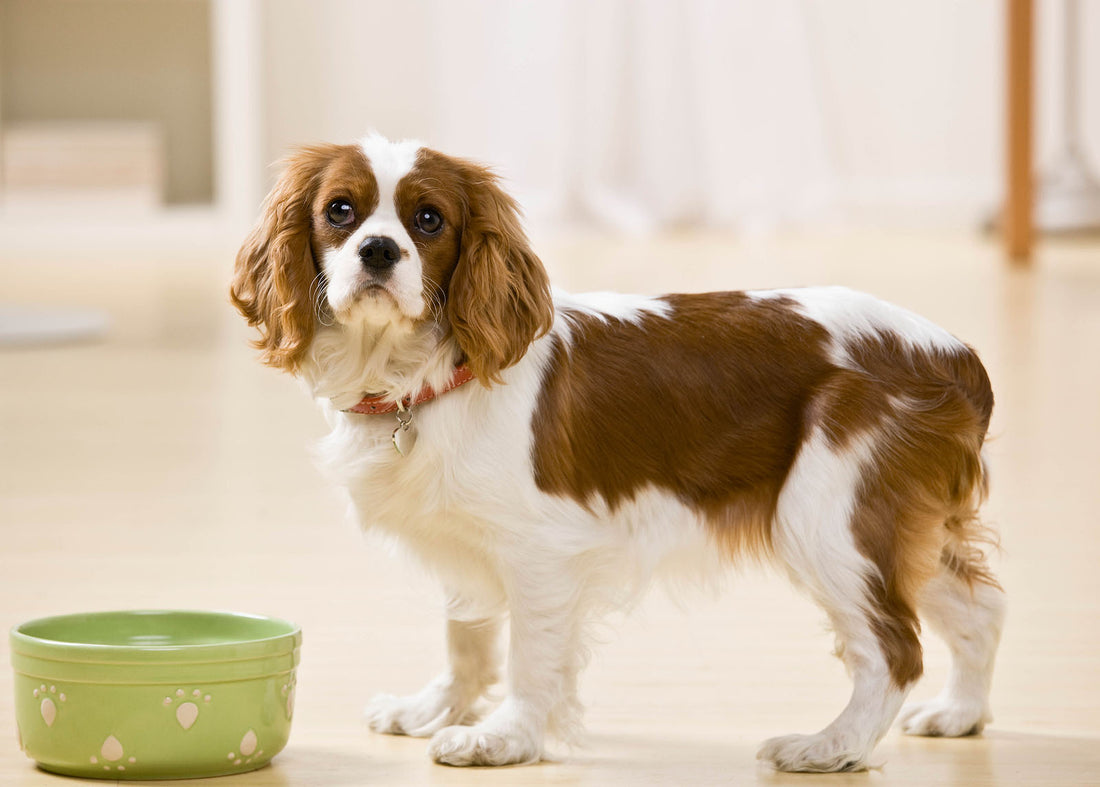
point(997, 757)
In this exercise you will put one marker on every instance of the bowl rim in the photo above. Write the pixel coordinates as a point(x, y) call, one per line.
point(245, 648)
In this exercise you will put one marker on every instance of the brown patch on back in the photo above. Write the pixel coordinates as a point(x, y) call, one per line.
point(848, 404)
point(916, 507)
point(707, 404)
point(713, 403)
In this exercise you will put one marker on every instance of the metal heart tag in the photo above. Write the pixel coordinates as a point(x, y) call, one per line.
point(404, 438)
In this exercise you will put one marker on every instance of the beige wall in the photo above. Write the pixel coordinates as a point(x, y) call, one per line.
point(333, 69)
point(116, 59)
point(908, 95)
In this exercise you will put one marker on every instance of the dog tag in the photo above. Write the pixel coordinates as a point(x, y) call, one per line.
point(404, 438)
point(404, 435)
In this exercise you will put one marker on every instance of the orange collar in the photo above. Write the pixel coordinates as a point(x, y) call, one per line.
point(380, 404)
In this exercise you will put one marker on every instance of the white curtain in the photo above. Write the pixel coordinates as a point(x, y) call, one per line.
point(647, 114)
point(638, 113)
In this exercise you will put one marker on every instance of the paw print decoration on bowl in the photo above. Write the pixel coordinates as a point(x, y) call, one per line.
point(154, 695)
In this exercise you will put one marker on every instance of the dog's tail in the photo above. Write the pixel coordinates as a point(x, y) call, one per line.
point(968, 537)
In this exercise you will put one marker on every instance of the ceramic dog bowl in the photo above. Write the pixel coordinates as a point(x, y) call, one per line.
point(154, 695)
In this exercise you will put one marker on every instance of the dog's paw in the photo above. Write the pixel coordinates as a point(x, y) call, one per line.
point(419, 715)
point(820, 753)
point(944, 717)
point(499, 740)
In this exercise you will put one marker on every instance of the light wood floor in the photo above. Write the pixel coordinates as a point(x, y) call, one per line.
point(163, 467)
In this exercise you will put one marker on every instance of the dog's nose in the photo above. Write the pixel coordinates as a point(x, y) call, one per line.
point(379, 252)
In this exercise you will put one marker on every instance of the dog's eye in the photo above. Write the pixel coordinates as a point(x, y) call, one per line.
point(428, 221)
point(340, 213)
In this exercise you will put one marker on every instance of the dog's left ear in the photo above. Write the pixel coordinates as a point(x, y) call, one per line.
point(274, 273)
point(499, 296)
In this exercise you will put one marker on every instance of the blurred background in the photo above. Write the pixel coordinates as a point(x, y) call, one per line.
point(939, 154)
point(625, 115)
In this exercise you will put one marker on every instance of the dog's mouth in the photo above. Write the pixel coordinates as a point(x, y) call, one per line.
point(372, 302)
point(373, 291)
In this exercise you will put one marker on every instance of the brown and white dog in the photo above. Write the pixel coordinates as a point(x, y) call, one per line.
point(609, 436)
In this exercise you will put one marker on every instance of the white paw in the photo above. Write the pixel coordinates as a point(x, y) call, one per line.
point(820, 753)
point(487, 743)
point(944, 717)
point(436, 706)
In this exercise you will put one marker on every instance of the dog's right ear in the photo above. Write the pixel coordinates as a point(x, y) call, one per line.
point(275, 271)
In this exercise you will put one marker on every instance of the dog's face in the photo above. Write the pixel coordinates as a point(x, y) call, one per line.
point(389, 236)
point(385, 232)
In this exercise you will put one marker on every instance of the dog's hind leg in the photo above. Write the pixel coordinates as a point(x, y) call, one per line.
point(965, 607)
point(815, 536)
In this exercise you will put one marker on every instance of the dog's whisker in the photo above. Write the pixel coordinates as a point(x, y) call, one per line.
point(434, 296)
point(317, 292)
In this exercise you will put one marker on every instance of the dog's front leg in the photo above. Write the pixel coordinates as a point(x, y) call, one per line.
point(450, 697)
point(545, 656)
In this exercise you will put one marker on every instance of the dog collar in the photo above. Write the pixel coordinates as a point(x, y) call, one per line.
point(379, 404)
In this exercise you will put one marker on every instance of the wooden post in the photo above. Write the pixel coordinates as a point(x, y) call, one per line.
point(1019, 194)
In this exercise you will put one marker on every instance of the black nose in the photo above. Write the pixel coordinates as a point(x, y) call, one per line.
point(379, 253)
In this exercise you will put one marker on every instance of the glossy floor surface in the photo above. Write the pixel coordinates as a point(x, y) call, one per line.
point(163, 467)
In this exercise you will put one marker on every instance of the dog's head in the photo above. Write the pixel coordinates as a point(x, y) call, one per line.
point(391, 235)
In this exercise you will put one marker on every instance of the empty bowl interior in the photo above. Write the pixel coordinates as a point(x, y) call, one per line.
point(155, 629)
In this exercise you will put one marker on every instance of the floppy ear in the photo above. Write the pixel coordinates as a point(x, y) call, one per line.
point(275, 270)
point(499, 296)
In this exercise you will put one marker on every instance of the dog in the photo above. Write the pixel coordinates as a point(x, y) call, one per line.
point(547, 454)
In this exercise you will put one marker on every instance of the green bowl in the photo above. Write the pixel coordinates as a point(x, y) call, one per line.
point(154, 695)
